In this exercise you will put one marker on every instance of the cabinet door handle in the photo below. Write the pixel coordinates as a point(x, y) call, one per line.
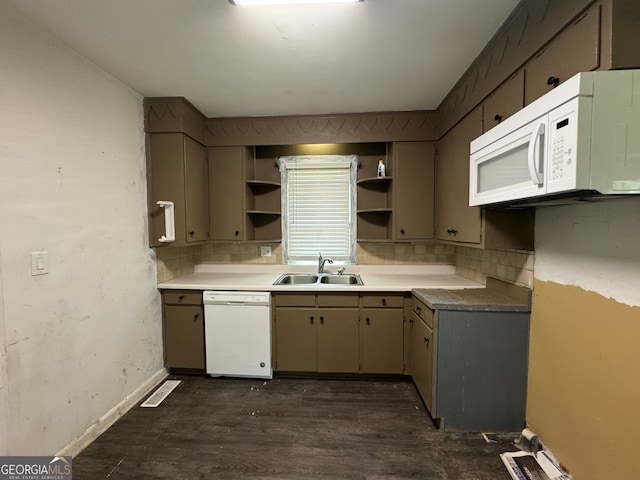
point(418, 309)
point(497, 117)
point(402, 231)
point(384, 302)
point(426, 340)
point(452, 231)
point(192, 233)
point(368, 321)
point(411, 320)
point(181, 297)
point(196, 317)
point(322, 320)
point(311, 320)
point(236, 233)
point(553, 81)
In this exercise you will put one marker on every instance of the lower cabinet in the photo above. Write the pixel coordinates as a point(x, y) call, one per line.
point(330, 333)
point(421, 354)
point(296, 337)
point(471, 367)
point(183, 332)
point(337, 336)
point(382, 334)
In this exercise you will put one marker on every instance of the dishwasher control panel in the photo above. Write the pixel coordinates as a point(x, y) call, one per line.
point(236, 298)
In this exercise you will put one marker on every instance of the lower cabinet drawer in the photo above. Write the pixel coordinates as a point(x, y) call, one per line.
point(295, 299)
point(182, 297)
point(423, 312)
point(382, 301)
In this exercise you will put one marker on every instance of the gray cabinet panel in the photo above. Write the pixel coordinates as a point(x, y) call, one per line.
point(481, 370)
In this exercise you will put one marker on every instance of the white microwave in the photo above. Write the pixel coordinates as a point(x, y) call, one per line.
point(581, 139)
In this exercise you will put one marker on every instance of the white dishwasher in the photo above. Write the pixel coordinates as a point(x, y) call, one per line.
point(237, 332)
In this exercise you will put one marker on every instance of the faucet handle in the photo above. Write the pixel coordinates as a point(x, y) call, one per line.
point(341, 270)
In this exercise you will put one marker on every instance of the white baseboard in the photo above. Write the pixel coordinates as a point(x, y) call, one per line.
point(97, 428)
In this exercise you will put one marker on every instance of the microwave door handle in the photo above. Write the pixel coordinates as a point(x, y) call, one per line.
point(536, 176)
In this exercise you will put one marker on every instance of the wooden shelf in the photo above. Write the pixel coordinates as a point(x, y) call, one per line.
point(262, 185)
point(263, 212)
point(374, 181)
point(374, 211)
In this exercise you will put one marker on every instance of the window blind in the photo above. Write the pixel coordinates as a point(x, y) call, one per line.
point(318, 207)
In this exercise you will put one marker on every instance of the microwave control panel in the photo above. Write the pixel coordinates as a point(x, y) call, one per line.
point(561, 165)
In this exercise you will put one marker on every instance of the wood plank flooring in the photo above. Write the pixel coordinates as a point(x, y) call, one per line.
point(289, 429)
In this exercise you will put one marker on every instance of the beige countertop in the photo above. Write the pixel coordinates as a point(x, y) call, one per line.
point(387, 278)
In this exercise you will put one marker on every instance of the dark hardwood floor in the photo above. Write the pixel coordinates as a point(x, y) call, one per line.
point(289, 429)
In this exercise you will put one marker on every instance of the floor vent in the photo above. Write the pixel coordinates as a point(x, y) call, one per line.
point(161, 393)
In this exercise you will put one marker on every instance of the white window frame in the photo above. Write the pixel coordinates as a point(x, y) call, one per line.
point(302, 254)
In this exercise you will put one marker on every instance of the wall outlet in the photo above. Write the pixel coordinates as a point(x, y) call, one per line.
point(265, 251)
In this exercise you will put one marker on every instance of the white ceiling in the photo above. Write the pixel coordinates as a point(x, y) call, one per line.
point(379, 55)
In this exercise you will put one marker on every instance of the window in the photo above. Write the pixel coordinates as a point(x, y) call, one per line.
point(318, 205)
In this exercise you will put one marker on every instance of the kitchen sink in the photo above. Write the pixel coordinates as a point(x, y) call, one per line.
point(320, 279)
point(349, 279)
point(296, 279)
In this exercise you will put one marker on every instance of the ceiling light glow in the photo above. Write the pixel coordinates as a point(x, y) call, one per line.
point(288, 2)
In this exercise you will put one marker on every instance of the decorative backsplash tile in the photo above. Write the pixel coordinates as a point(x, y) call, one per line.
point(511, 266)
point(404, 254)
point(173, 262)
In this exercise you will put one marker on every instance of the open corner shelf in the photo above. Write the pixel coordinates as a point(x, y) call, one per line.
point(262, 185)
point(374, 181)
point(374, 211)
point(264, 212)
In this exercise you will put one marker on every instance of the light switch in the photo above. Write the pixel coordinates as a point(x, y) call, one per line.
point(265, 251)
point(39, 263)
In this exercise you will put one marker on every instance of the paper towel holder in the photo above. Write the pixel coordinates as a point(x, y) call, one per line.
point(169, 222)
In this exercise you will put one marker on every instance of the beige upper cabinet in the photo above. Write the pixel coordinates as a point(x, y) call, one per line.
point(196, 190)
point(177, 172)
point(504, 102)
point(455, 220)
point(413, 190)
point(576, 49)
point(226, 192)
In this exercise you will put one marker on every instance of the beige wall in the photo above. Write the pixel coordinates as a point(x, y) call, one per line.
point(76, 342)
point(584, 363)
point(584, 380)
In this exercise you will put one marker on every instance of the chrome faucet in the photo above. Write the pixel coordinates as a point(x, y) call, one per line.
point(321, 262)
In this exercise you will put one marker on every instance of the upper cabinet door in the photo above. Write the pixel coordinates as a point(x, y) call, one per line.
point(176, 168)
point(413, 190)
point(456, 221)
point(577, 49)
point(504, 102)
point(226, 192)
point(196, 191)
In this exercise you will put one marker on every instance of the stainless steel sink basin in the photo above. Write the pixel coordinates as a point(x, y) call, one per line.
point(296, 279)
point(349, 279)
point(321, 279)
